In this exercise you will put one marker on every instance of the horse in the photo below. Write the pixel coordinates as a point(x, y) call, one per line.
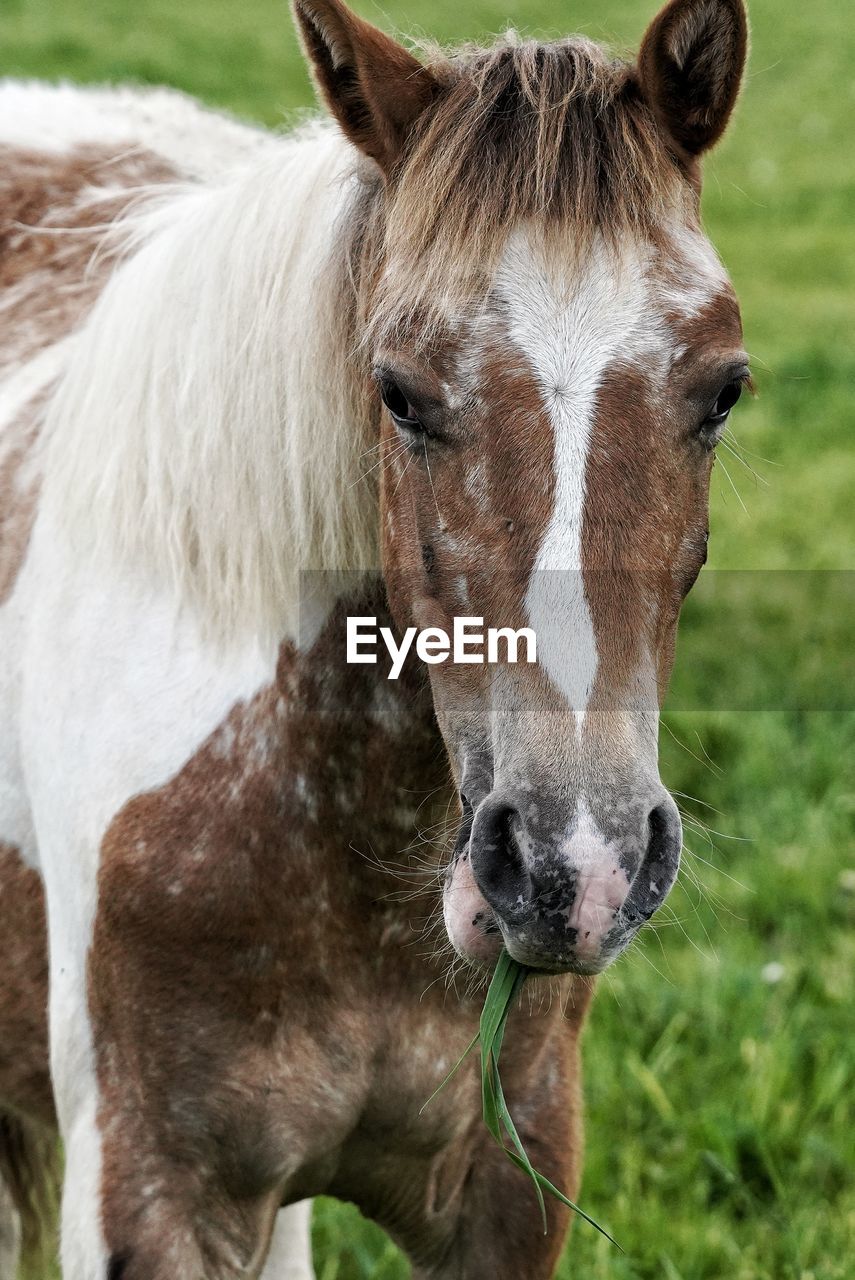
point(459, 349)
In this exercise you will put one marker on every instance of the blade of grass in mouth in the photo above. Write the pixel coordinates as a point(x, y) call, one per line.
point(505, 986)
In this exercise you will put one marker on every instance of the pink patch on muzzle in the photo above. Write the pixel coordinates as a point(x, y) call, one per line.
point(469, 920)
point(599, 896)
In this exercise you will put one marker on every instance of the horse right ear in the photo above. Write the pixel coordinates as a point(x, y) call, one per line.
point(690, 66)
point(373, 86)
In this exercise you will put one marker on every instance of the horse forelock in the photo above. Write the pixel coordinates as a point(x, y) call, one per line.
point(556, 135)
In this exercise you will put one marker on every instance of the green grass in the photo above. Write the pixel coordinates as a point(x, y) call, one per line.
point(502, 997)
point(719, 1100)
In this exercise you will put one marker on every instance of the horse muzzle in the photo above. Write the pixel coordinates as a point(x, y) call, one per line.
point(567, 903)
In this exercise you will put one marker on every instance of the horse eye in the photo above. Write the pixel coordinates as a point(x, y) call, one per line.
point(725, 402)
point(398, 405)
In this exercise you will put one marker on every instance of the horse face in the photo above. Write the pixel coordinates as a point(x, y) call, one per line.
point(557, 349)
point(547, 465)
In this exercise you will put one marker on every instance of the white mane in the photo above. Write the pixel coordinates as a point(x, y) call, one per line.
point(208, 431)
point(57, 118)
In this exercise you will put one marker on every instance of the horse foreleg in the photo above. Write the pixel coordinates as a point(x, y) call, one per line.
point(28, 1185)
point(83, 1251)
point(166, 1176)
point(125, 1214)
point(10, 1235)
point(290, 1256)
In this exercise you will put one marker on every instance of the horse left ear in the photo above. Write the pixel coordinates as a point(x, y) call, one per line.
point(690, 66)
point(374, 87)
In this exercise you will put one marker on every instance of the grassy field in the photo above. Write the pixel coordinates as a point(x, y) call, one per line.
point(720, 1057)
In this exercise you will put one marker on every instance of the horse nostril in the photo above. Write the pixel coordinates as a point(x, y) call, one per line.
point(664, 835)
point(497, 862)
point(656, 824)
point(658, 868)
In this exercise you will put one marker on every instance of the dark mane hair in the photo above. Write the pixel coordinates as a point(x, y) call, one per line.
point(555, 135)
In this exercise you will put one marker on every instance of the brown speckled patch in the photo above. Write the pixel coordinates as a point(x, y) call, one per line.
point(19, 491)
point(54, 210)
point(53, 216)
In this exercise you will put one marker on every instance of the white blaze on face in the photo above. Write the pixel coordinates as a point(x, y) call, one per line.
point(572, 320)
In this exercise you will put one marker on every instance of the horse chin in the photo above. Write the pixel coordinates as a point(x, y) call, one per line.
point(542, 963)
point(469, 920)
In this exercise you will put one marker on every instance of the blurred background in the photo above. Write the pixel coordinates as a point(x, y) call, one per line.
point(720, 1058)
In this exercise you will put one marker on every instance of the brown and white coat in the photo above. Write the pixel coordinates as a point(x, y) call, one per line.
point(466, 352)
